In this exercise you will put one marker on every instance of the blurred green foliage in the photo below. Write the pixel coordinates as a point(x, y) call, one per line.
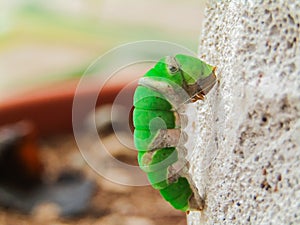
point(43, 42)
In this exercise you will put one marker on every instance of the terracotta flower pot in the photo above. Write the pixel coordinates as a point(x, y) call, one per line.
point(50, 108)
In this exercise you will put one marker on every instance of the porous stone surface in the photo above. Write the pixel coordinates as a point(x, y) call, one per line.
point(247, 161)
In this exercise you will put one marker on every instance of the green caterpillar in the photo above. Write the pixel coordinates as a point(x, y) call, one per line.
point(164, 89)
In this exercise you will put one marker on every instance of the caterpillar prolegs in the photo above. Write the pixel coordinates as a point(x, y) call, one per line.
point(158, 136)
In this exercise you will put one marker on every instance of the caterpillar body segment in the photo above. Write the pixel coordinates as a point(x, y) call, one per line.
point(158, 135)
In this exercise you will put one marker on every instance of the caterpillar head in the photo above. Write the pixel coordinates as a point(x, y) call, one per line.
point(198, 77)
point(194, 77)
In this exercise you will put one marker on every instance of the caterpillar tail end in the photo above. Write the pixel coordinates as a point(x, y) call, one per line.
point(195, 204)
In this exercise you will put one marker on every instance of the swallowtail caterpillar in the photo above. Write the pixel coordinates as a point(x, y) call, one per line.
point(158, 136)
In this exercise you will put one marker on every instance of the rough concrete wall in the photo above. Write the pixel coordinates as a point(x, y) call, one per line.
point(247, 162)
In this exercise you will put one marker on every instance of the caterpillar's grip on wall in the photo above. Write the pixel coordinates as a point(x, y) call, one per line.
point(162, 91)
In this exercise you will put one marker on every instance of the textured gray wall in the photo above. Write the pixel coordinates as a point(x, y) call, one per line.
point(247, 161)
